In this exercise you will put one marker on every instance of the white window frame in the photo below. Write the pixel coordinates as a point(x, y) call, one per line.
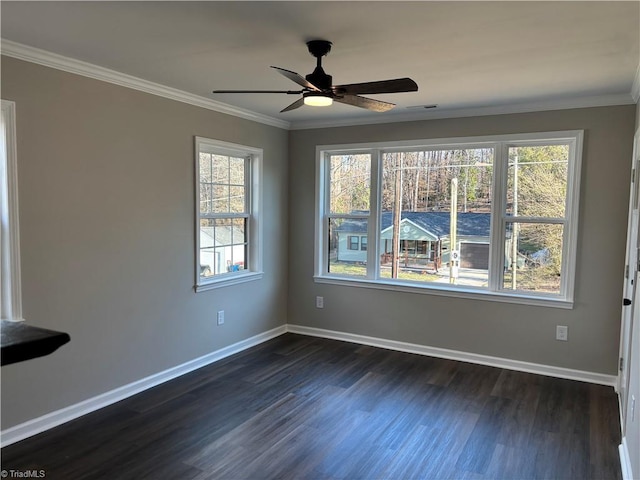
point(10, 277)
point(253, 181)
point(495, 291)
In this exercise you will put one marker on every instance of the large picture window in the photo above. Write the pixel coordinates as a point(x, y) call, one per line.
point(490, 217)
point(227, 232)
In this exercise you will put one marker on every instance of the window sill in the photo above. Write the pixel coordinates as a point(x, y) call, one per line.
point(226, 280)
point(461, 292)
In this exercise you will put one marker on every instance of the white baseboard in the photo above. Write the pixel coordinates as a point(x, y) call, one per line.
point(547, 370)
point(38, 425)
point(53, 419)
point(625, 461)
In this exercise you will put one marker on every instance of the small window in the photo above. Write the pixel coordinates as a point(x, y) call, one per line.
point(227, 233)
point(363, 243)
point(10, 245)
point(353, 242)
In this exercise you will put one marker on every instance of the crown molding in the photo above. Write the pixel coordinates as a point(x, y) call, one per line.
point(78, 67)
point(635, 88)
point(71, 65)
point(545, 105)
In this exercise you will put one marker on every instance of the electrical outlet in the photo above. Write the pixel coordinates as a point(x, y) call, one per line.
point(220, 317)
point(562, 333)
point(319, 302)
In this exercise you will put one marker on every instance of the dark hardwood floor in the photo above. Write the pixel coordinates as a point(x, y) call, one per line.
point(300, 407)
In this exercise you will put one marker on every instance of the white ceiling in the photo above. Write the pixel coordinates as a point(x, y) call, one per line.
point(463, 55)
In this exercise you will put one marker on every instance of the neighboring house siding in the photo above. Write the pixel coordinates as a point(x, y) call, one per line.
point(473, 228)
point(345, 254)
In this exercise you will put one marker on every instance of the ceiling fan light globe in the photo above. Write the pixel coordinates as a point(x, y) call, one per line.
point(317, 100)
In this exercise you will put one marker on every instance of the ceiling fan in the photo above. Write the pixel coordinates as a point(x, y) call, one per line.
point(318, 89)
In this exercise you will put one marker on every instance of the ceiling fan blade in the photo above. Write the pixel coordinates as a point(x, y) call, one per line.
point(364, 102)
point(396, 85)
point(289, 92)
point(297, 104)
point(299, 79)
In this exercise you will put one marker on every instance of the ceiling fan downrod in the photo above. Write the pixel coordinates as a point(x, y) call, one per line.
point(319, 48)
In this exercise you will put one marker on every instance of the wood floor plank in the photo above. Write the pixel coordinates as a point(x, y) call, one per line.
point(482, 442)
point(299, 407)
point(511, 462)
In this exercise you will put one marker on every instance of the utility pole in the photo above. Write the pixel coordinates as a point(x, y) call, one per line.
point(397, 207)
point(514, 226)
point(453, 230)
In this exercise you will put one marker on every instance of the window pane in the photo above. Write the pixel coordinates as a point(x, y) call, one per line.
point(350, 178)
point(419, 192)
point(236, 201)
point(220, 199)
point(223, 243)
point(537, 250)
point(205, 167)
point(237, 261)
point(238, 234)
point(222, 187)
point(235, 249)
point(207, 248)
point(205, 198)
point(236, 171)
point(220, 169)
point(537, 181)
point(345, 256)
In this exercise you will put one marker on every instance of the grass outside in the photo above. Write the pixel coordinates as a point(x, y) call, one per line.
point(534, 279)
point(360, 270)
point(531, 279)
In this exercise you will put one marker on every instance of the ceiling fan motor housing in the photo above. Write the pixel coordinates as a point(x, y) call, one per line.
point(320, 79)
point(319, 48)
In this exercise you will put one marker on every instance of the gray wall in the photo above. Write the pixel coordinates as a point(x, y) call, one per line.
point(107, 236)
point(106, 225)
point(525, 333)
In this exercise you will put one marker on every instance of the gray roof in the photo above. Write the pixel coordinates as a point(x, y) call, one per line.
point(437, 223)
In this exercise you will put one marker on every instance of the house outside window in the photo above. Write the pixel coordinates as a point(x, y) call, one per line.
point(227, 216)
point(489, 217)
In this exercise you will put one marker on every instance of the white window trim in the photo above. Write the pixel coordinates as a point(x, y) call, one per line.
point(253, 269)
point(500, 143)
point(10, 277)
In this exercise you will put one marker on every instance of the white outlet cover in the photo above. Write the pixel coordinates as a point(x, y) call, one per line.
point(562, 332)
